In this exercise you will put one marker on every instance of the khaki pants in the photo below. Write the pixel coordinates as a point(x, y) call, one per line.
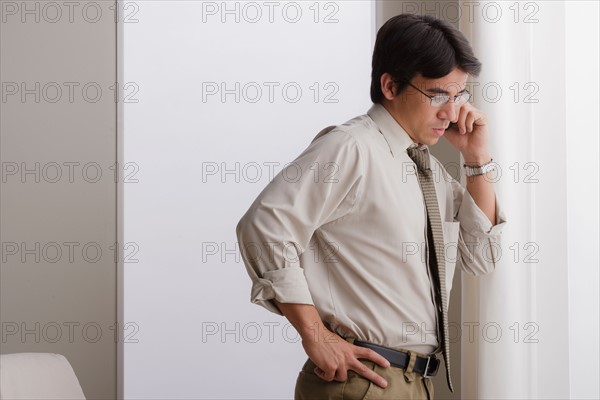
point(402, 384)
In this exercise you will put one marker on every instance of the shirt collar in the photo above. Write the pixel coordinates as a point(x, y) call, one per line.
point(394, 134)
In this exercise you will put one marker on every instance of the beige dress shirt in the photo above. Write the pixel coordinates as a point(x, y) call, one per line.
point(343, 227)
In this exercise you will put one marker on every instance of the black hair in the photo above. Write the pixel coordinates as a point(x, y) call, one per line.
point(412, 44)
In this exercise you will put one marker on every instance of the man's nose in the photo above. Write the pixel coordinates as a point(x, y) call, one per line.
point(448, 111)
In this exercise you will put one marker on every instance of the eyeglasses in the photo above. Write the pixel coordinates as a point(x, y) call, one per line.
point(439, 100)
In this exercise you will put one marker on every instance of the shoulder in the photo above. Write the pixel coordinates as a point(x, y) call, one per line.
point(355, 131)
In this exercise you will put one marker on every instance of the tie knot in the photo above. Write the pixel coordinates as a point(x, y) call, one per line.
point(421, 157)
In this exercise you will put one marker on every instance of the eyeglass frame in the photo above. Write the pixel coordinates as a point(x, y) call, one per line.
point(437, 95)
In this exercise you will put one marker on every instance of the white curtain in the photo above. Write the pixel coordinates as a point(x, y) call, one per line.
point(518, 339)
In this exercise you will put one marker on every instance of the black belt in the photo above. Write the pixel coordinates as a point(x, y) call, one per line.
point(426, 366)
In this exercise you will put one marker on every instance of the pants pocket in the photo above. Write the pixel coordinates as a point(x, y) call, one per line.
point(310, 387)
point(356, 387)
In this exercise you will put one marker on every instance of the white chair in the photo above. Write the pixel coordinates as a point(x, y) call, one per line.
point(38, 376)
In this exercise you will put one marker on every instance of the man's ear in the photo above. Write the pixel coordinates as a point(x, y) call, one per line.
point(388, 86)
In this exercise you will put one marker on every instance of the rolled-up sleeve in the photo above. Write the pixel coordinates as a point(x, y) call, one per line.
point(319, 186)
point(479, 241)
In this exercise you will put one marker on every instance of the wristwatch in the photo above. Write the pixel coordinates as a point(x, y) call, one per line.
point(474, 170)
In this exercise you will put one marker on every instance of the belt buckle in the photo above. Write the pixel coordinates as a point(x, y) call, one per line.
point(426, 372)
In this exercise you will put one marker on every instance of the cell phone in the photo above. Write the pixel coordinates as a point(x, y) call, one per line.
point(452, 125)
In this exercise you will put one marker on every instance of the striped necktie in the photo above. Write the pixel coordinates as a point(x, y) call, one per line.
point(435, 235)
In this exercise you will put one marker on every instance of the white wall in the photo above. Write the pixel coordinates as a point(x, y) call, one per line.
point(199, 337)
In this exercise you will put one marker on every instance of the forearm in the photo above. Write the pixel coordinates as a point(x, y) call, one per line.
point(481, 188)
point(305, 318)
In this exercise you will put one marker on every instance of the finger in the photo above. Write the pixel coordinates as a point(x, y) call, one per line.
point(341, 375)
point(369, 374)
point(469, 122)
point(326, 376)
point(479, 120)
point(369, 354)
point(462, 116)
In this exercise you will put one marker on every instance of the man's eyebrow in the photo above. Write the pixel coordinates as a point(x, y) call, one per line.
point(438, 90)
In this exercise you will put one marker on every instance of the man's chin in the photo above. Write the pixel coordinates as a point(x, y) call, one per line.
point(432, 140)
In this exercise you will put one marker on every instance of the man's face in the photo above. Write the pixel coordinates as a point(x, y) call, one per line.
point(423, 122)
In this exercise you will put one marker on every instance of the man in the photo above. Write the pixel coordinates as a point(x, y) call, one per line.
point(356, 242)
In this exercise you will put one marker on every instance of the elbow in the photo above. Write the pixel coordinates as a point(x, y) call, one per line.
point(478, 268)
point(480, 261)
point(239, 228)
point(242, 226)
point(248, 236)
